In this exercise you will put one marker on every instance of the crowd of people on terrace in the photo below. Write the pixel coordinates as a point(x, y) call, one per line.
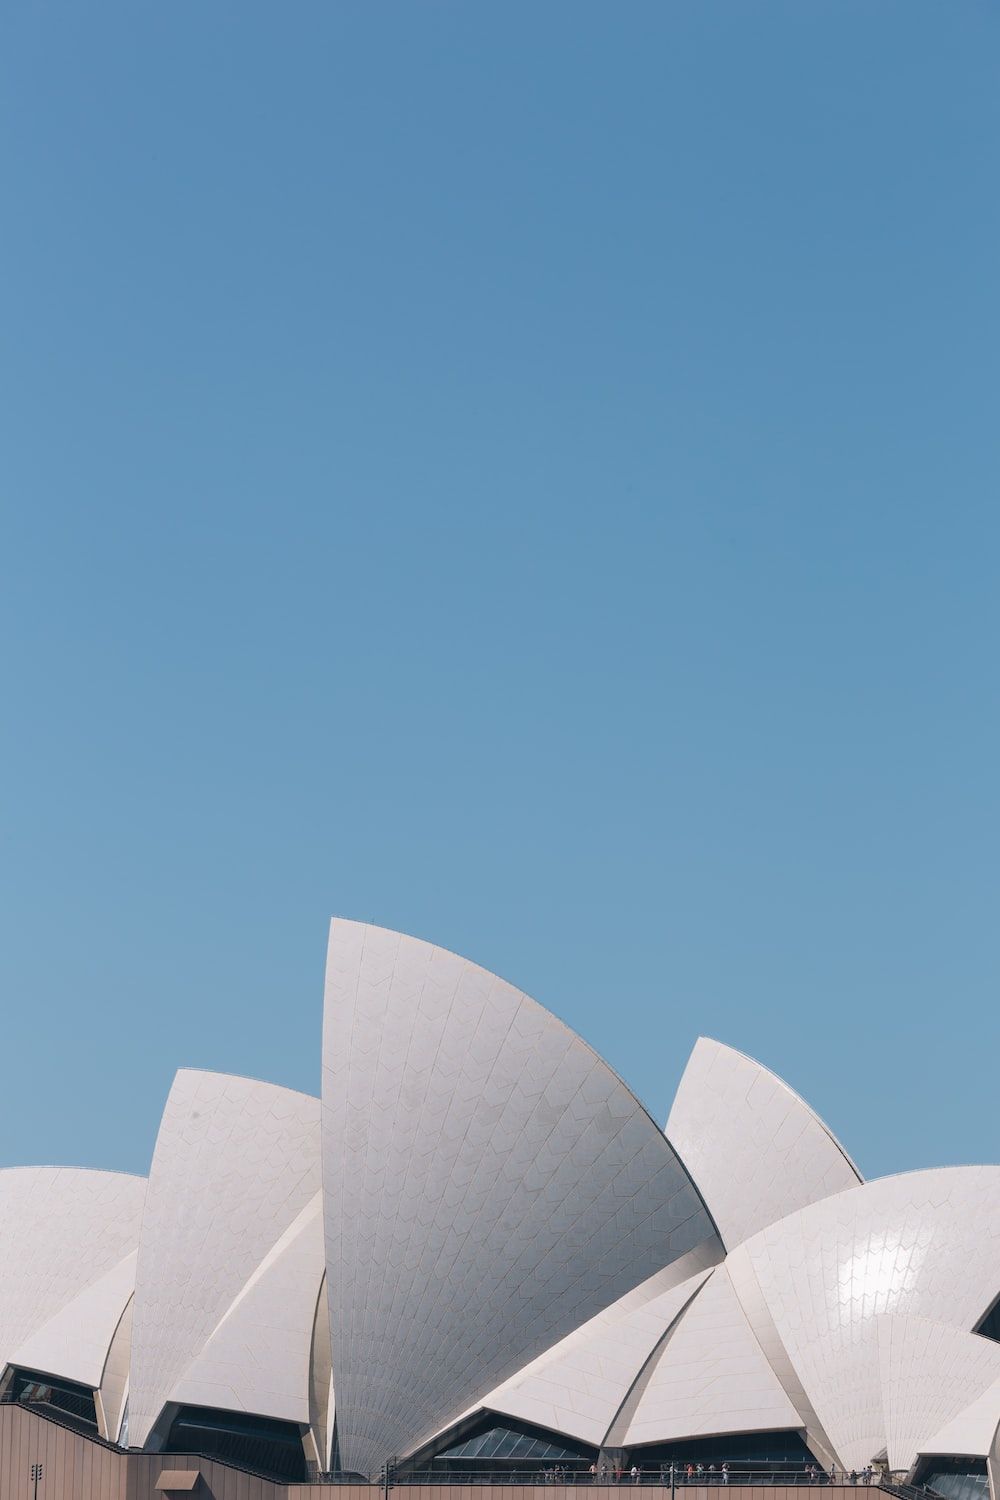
point(674, 1474)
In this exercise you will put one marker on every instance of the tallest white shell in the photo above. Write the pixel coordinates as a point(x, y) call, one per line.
point(489, 1184)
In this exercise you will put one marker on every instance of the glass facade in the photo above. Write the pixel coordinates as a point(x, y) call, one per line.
point(757, 1452)
point(502, 1442)
point(263, 1444)
point(990, 1326)
point(504, 1445)
point(957, 1478)
point(69, 1403)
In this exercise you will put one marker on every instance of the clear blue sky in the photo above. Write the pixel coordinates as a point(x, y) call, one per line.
point(525, 474)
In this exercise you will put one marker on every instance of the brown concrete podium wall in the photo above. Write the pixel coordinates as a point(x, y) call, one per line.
point(73, 1467)
point(216, 1482)
point(78, 1468)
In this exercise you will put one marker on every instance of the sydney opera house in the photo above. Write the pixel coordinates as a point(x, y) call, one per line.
point(478, 1258)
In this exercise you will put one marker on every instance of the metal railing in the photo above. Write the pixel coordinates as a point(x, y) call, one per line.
point(910, 1491)
point(62, 1419)
point(777, 1474)
point(58, 1418)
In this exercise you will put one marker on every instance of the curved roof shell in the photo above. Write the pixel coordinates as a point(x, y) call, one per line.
point(971, 1432)
point(929, 1374)
point(481, 1218)
point(235, 1163)
point(580, 1386)
point(756, 1150)
point(924, 1244)
point(489, 1183)
point(710, 1376)
point(74, 1342)
point(272, 1316)
point(64, 1229)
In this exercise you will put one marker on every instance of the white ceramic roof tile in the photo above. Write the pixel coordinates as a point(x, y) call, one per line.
point(114, 1377)
point(634, 1302)
point(755, 1149)
point(752, 1300)
point(924, 1244)
point(75, 1341)
point(930, 1374)
point(506, 1228)
point(236, 1161)
point(61, 1230)
point(711, 1376)
point(257, 1358)
point(972, 1431)
point(584, 1380)
point(489, 1183)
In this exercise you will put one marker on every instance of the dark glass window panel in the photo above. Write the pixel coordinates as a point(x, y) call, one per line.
point(514, 1446)
point(263, 1444)
point(68, 1402)
point(990, 1326)
point(747, 1451)
point(957, 1478)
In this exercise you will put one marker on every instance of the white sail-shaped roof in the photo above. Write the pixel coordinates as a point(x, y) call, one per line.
point(489, 1183)
point(930, 1373)
point(257, 1357)
point(972, 1432)
point(62, 1229)
point(482, 1227)
point(579, 1387)
point(924, 1244)
point(756, 1150)
point(236, 1162)
point(74, 1342)
point(711, 1376)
